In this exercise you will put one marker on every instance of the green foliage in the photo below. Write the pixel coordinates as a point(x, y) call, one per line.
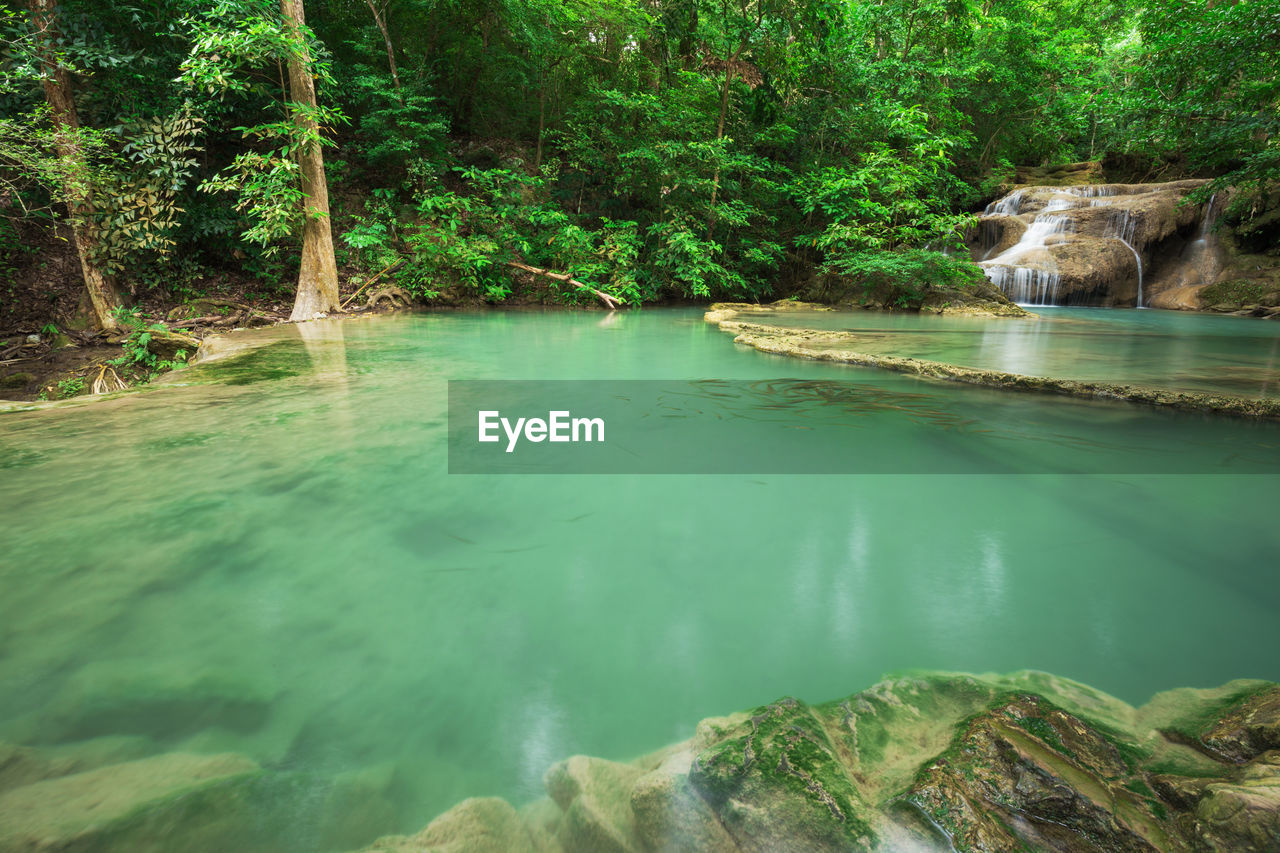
point(673, 148)
point(1202, 81)
point(372, 237)
point(468, 240)
point(35, 180)
point(137, 216)
point(906, 273)
point(70, 387)
point(137, 356)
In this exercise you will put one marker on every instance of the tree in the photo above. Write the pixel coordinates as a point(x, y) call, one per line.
point(282, 190)
point(103, 298)
point(318, 275)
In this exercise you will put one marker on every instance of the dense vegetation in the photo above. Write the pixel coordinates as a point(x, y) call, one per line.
point(647, 148)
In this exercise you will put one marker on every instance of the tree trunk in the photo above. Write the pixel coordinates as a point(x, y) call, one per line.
point(542, 122)
point(381, 21)
point(62, 109)
point(724, 109)
point(318, 277)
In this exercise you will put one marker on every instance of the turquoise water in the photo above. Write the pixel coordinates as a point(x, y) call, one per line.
point(1164, 349)
point(273, 561)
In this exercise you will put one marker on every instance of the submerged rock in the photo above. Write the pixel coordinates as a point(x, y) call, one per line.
point(595, 796)
point(156, 697)
point(930, 762)
point(478, 825)
point(137, 806)
point(836, 346)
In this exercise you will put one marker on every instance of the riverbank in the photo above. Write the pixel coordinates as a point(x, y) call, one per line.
point(227, 327)
point(837, 346)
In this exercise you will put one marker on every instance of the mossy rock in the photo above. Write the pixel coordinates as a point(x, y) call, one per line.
point(16, 380)
point(1235, 294)
point(1026, 761)
point(778, 783)
point(166, 345)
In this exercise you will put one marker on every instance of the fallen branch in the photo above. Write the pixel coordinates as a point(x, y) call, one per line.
point(196, 321)
point(392, 266)
point(229, 304)
point(610, 302)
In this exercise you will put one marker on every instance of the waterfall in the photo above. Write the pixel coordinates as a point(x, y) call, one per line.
point(1208, 217)
point(1025, 284)
point(1092, 190)
point(1007, 206)
point(1072, 244)
point(1124, 227)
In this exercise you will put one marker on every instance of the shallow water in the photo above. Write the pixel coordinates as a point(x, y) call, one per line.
point(273, 561)
point(1160, 349)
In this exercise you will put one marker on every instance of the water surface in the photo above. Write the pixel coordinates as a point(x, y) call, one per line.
point(1160, 349)
point(277, 563)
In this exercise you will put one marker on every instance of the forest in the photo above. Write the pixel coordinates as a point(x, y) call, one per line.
point(578, 151)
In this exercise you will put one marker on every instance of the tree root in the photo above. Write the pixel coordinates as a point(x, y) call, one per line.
point(397, 296)
point(105, 383)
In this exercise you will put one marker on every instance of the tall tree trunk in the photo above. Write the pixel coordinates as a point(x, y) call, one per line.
point(724, 109)
point(318, 277)
point(542, 121)
point(381, 21)
point(62, 108)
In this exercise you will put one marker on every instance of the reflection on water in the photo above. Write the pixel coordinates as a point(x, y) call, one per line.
point(278, 567)
point(1164, 349)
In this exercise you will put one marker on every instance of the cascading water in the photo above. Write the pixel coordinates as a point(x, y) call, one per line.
point(1029, 271)
point(1208, 219)
point(1123, 226)
point(1036, 282)
point(1089, 244)
point(1007, 206)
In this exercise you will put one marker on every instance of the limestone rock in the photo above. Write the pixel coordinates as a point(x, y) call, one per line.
point(776, 783)
point(1247, 729)
point(595, 796)
point(477, 825)
point(156, 697)
point(671, 817)
point(1089, 244)
point(1026, 774)
point(1244, 816)
point(20, 765)
point(925, 762)
point(165, 344)
point(930, 298)
point(542, 819)
point(122, 805)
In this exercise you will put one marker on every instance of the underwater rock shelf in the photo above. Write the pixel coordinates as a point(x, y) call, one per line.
point(819, 345)
point(930, 762)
